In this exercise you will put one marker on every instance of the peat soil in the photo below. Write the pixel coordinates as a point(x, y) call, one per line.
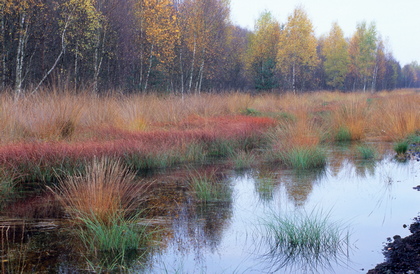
point(402, 255)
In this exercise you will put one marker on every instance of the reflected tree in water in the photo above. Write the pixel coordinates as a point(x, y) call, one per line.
point(299, 184)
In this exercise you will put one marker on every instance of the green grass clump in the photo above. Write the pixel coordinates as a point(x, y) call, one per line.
point(208, 189)
point(343, 135)
point(366, 152)
point(310, 239)
point(152, 160)
point(195, 152)
point(401, 147)
point(221, 148)
point(243, 160)
point(116, 235)
point(104, 201)
point(304, 157)
point(414, 138)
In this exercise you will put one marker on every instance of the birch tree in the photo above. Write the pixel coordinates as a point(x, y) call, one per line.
point(262, 52)
point(335, 52)
point(297, 56)
point(204, 23)
point(362, 52)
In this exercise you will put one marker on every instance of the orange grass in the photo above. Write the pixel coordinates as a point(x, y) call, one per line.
point(106, 189)
point(353, 116)
point(304, 131)
point(59, 130)
point(396, 116)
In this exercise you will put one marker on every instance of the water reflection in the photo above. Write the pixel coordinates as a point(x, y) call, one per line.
point(215, 237)
point(347, 153)
point(29, 249)
point(299, 184)
point(201, 226)
point(266, 180)
point(365, 168)
point(133, 261)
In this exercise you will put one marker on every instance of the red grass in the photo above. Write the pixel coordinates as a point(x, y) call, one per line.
point(116, 142)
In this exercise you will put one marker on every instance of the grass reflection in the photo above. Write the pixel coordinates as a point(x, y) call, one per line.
point(265, 188)
point(131, 261)
point(304, 241)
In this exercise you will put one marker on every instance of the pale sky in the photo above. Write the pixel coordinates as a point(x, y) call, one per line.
point(398, 22)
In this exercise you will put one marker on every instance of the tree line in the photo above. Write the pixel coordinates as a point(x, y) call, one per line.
point(184, 46)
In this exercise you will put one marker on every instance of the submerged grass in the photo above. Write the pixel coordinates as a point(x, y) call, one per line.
point(309, 240)
point(243, 160)
point(14, 250)
point(366, 152)
point(208, 188)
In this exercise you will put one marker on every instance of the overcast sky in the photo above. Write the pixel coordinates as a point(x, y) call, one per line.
point(397, 21)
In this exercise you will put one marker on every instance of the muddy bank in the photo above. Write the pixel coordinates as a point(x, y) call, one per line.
point(402, 255)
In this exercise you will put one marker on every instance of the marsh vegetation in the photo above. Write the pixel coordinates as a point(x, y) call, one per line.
point(130, 179)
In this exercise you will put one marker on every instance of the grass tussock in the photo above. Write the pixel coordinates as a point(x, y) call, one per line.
point(310, 240)
point(105, 201)
point(208, 189)
point(401, 147)
point(105, 190)
point(350, 120)
point(118, 235)
point(366, 152)
point(296, 144)
point(303, 157)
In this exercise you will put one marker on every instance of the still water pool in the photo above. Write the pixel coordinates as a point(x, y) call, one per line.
point(371, 200)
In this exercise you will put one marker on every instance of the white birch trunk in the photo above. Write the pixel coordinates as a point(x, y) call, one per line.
point(23, 32)
point(98, 59)
point(149, 69)
point(192, 68)
point(200, 77)
point(63, 49)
